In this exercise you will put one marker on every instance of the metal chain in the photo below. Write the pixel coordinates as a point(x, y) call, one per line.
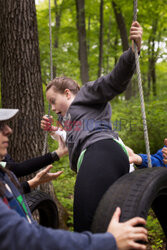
point(51, 73)
point(141, 94)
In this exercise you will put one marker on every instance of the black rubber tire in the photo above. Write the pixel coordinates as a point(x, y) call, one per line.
point(135, 194)
point(45, 206)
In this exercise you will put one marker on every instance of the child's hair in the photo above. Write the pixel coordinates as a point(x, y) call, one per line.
point(62, 83)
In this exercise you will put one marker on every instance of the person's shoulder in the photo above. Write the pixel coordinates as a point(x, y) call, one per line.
point(8, 158)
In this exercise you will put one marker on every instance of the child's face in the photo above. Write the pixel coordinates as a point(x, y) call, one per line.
point(59, 102)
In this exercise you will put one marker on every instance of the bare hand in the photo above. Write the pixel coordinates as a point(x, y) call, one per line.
point(136, 32)
point(126, 233)
point(62, 149)
point(134, 158)
point(43, 176)
point(164, 151)
point(46, 123)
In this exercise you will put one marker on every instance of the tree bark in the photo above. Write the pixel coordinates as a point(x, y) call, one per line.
point(108, 68)
point(88, 37)
point(149, 71)
point(21, 84)
point(152, 55)
point(116, 48)
point(124, 39)
point(101, 39)
point(82, 51)
point(121, 25)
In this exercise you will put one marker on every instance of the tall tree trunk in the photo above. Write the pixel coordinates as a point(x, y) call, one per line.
point(153, 75)
point(21, 83)
point(108, 69)
point(82, 51)
point(101, 39)
point(149, 69)
point(124, 38)
point(88, 37)
point(121, 26)
point(152, 58)
point(116, 48)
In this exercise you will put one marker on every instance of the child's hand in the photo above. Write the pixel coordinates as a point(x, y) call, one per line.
point(136, 32)
point(46, 123)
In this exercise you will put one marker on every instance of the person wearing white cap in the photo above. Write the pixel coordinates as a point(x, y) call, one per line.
point(18, 230)
point(34, 164)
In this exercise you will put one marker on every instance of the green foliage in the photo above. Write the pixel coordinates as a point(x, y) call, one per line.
point(64, 185)
point(156, 237)
point(65, 56)
point(127, 120)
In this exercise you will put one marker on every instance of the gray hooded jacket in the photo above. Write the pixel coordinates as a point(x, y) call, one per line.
point(88, 118)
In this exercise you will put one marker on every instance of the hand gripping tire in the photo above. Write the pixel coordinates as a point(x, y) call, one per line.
point(134, 193)
point(44, 205)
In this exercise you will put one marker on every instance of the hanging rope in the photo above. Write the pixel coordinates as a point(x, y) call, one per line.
point(51, 72)
point(141, 94)
point(50, 38)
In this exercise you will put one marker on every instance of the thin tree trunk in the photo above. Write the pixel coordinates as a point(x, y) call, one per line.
point(124, 38)
point(116, 48)
point(88, 39)
point(152, 58)
point(101, 39)
point(82, 51)
point(149, 69)
point(153, 75)
point(109, 44)
point(121, 25)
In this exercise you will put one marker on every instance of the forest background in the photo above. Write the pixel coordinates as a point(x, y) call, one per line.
point(87, 38)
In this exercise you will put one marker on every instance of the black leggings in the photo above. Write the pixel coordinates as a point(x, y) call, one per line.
point(104, 162)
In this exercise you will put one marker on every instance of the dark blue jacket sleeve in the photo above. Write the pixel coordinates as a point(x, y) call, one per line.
point(156, 160)
point(17, 234)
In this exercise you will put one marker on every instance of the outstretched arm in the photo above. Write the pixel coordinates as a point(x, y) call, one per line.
point(43, 176)
point(16, 232)
point(30, 166)
point(134, 158)
point(141, 161)
point(34, 164)
point(107, 87)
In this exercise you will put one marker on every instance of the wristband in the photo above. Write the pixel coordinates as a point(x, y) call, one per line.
point(55, 156)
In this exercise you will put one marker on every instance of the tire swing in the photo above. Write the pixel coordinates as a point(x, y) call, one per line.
point(42, 206)
point(135, 193)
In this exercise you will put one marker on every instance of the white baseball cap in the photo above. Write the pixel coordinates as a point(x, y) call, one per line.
point(7, 114)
